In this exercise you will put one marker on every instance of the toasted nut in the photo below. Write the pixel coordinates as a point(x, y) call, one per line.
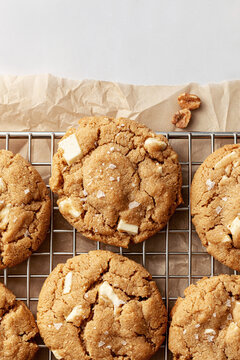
point(181, 118)
point(189, 101)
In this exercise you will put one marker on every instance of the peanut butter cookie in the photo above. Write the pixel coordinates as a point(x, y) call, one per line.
point(17, 328)
point(101, 306)
point(215, 200)
point(117, 181)
point(24, 209)
point(206, 323)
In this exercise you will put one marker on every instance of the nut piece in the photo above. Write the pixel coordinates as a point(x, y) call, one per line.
point(66, 205)
point(181, 118)
point(75, 314)
point(153, 144)
point(67, 283)
point(105, 290)
point(129, 228)
point(189, 101)
point(71, 149)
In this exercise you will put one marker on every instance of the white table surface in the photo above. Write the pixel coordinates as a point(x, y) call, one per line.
point(133, 41)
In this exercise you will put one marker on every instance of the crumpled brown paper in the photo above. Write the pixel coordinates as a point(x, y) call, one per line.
point(49, 103)
point(46, 102)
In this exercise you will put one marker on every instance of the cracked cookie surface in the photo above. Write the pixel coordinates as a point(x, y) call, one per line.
point(215, 204)
point(17, 328)
point(101, 305)
point(117, 182)
point(24, 209)
point(206, 323)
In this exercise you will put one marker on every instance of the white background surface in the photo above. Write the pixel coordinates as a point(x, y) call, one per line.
point(133, 41)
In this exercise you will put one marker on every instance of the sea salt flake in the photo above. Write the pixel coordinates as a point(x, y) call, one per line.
point(229, 317)
point(214, 314)
point(101, 343)
point(228, 303)
point(124, 342)
point(106, 332)
point(210, 331)
point(112, 148)
point(210, 338)
point(210, 184)
point(196, 336)
point(112, 166)
point(100, 194)
point(218, 209)
point(86, 296)
point(83, 199)
point(224, 198)
point(85, 193)
point(57, 325)
point(197, 326)
point(122, 125)
point(111, 178)
point(27, 191)
point(118, 178)
point(184, 331)
point(108, 347)
point(108, 152)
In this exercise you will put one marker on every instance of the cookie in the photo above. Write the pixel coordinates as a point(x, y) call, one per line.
point(206, 323)
point(215, 204)
point(17, 328)
point(117, 182)
point(101, 305)
point(24, 209)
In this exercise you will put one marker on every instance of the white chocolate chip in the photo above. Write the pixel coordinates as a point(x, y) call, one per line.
point(75, 314)
point(227, 159)
point(129, 228)
point(218, 209)
point(210, 184)
point(154, 144)
point(112, 166)
point(100, 194)
point(67, 283)
point(105, 290)
point(4, 217)
point(71, 149)
point(133, 204)
point(101, 343)
point(57, 325)
point(57, 355)
point(3, 186)
point(210, 331)
point(67, 206)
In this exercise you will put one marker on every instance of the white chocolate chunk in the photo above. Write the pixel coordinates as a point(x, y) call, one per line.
point(67, 206)
point(153, 144)
point(234, 228)
point(228, 170)
point(67, 283)
point(210, 184)
point(133, 204)
point(226, 239)
point(129, 228)
point(75, 314)
point(224, 180)
point(227, 159)
point(57, 325)
point(57, 355)
point(71, 149)
point(100, 194)
point(4, 217)
point(105, 290)
point(3, 186)
point(210, 331)
point(236, 312)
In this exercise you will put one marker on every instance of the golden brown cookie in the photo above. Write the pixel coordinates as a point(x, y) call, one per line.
point(24, 209)
point(117, 181)
point(101, 306)
point(206, 323)
point(17, 328)
point(215, 201)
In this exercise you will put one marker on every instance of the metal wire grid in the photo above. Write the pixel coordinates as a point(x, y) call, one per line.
point(173, 137)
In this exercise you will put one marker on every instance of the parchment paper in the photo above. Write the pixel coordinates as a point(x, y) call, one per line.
point(48, 103)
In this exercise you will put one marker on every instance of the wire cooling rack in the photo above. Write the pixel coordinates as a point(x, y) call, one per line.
point(174, 257)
